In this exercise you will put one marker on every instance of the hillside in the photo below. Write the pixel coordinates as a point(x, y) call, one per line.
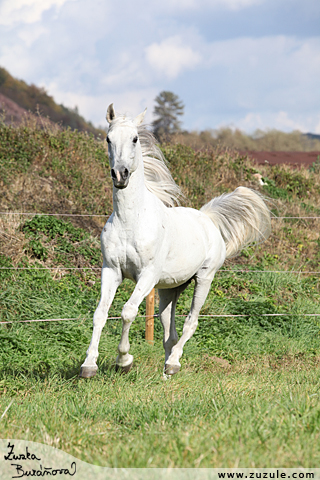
point(60, 171)
point(18, 98)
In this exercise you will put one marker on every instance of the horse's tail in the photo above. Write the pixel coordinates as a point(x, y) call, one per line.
point(242, 218)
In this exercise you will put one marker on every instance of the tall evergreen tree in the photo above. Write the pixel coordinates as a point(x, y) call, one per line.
point(167, 110)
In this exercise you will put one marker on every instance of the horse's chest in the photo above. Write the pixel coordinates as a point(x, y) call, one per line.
point(127, 251)
point(130, 258)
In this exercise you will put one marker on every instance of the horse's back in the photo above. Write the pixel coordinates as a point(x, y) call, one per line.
point(190, 225)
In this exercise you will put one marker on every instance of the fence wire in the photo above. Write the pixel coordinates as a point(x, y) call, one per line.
point(107, 215)
point(99, 268)
point(298, 272)
point(221, 315)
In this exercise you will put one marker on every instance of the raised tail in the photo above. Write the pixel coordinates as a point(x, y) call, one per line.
point(242, 218)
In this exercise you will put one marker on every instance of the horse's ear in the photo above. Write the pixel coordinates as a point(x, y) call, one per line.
point(139, 119)
point(111, 114)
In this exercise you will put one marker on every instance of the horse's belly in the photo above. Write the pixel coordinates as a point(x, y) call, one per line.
point(171, 282)
point(181, 264)
point(173, 275)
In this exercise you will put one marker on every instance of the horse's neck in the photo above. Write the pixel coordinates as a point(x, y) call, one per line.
point(129, 202)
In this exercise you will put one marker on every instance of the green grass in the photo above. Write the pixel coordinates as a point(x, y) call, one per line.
point(254, 414)
point(260, 407)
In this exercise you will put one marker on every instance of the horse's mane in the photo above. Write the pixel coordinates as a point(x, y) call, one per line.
point(157, 176)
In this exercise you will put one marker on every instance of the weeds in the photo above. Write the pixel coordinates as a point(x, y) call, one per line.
point(315, 167)
point(54, 171)
point(36, 249)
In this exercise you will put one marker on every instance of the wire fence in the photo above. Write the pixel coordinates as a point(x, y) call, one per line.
point(235, 271)
point(296, 272)
point(108, 215)
point(56, 214)
point(220, 315)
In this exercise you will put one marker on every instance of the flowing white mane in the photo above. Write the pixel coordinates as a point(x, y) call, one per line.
point(157, 176)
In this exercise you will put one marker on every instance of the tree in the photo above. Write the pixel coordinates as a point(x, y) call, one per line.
point(167, 110)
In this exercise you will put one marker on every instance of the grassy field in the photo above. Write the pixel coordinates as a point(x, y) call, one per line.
point(248, 393)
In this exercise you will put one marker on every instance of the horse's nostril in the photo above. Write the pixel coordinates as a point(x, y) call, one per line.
point(120, 175)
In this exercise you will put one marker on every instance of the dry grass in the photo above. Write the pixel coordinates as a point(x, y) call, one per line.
point(12, 241)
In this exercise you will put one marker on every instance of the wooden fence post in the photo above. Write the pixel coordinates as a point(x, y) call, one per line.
point(149, 317)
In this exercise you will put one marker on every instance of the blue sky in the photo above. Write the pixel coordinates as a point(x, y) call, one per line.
point(247, 64)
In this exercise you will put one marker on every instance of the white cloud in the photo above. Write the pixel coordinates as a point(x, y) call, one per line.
point(283, 121)
point(170, 57)
point(25, 11)
point(275, 72)
point(15, 59)
point(280, 120)
point(126, 68)
point(272, 51)
point(236, 4)
point(31, 33)
point(316, 129)
point(251, 122)
point(209, 5)
point(94, 107)
point(93, 53)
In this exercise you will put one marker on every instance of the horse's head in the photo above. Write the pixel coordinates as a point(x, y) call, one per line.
point(123, 146)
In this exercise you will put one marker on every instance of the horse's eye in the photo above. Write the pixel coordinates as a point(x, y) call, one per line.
point(108, 140)
point(135, 139)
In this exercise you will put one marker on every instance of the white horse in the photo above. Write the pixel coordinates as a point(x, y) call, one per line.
point(157, 244)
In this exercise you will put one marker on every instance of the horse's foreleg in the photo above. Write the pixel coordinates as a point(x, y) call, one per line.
point(201, 291)
point(129, 312)
point(110, 280)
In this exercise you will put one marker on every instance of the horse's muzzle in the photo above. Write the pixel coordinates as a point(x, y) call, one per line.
point(120, 177)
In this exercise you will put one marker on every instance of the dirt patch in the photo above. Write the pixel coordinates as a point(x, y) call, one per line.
point(276, 158)
point(212, 360)
point(295, 362)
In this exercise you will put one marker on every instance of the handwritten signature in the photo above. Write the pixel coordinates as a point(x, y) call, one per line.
point(35, 472)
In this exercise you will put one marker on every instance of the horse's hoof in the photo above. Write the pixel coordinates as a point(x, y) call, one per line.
point(171, 369)
point(125, 369)
point(88, 372)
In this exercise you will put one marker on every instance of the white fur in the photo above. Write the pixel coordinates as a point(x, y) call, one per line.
point(163, 247)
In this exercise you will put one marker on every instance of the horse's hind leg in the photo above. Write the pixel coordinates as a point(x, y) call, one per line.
point(167, 309)
point(168, 300)
point(143, 288)
point(201, 291)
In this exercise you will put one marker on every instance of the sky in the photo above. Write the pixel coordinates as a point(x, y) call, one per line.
point(247, 64)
